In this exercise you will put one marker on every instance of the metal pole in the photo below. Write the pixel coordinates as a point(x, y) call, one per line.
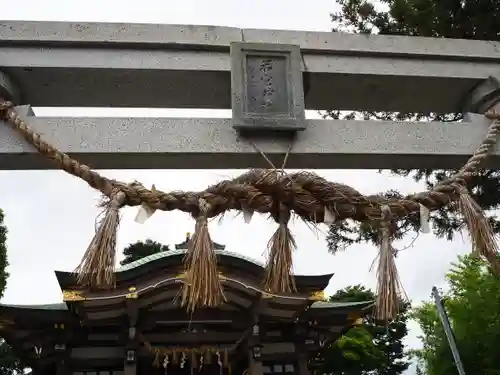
point(448, 331)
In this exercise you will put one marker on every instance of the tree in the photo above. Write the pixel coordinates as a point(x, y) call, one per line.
point(369, 348)
point(473, 307)
point(9, 363)
point(141, 250)
point(466, 19)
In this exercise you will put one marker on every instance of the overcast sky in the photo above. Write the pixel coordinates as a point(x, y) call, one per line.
point(50, 215)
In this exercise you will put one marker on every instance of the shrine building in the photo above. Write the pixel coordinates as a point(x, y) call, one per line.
point(139, 327)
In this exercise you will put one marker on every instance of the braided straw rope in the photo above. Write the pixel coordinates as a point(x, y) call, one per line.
point(260, 190)
point(305, 193)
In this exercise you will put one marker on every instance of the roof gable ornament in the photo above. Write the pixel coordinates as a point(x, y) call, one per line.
point(184, 245)
point(318, 296)
point(72, 296)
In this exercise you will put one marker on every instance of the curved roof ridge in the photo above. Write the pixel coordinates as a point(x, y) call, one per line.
point(169, 253)
point(337, 304)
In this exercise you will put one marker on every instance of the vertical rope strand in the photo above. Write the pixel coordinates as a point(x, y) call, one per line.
point(202, 287)
point(481, 233)
point(97, 267)
point(389, 288)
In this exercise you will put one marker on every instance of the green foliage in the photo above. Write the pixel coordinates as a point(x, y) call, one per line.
point(369, 348)
point(473, 306)
point(466, 19)
point(141, 250)
point(462, 19)
point(9, 363)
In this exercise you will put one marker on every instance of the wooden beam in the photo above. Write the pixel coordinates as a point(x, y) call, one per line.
point(167, 295)
point(132, 341)
point(178, 316)
point(90, 364)
point(194, 339)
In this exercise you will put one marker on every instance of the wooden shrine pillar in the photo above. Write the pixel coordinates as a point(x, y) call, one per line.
point(62, 350)
point(301, 350)
point(255, 351)
point(131, 346)
point(302, 366)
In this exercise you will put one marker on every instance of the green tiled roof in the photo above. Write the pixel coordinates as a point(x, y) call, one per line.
point(49, 306)
point(165, 254)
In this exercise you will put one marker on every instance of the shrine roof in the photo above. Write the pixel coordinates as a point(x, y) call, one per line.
point(170, 253)
point(227, 260)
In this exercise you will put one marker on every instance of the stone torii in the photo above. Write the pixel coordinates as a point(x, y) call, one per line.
point(170, 66)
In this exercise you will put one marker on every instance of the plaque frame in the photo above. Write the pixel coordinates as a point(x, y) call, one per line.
point(291, 116)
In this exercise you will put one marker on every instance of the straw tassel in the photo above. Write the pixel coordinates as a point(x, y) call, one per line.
point(202, 287)
point(389, 288)
point(97, 266)
point(480, 231)
point(278, 276)
point(183, 360)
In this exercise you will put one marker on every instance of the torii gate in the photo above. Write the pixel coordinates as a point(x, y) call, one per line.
point(135, 65)
point(268, 78)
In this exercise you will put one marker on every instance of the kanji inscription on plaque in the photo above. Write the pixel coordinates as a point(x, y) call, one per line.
point(266, 85)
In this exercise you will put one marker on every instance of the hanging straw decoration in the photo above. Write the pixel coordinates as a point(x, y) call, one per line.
point(278, 276)
point(202, 287)
point(480, 231)
point(166, 361)
point(389, 288)
point(183, 360)
point(98, 263)
point(219, 360)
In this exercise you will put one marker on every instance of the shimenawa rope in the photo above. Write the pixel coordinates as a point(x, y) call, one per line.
point(306, 194)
